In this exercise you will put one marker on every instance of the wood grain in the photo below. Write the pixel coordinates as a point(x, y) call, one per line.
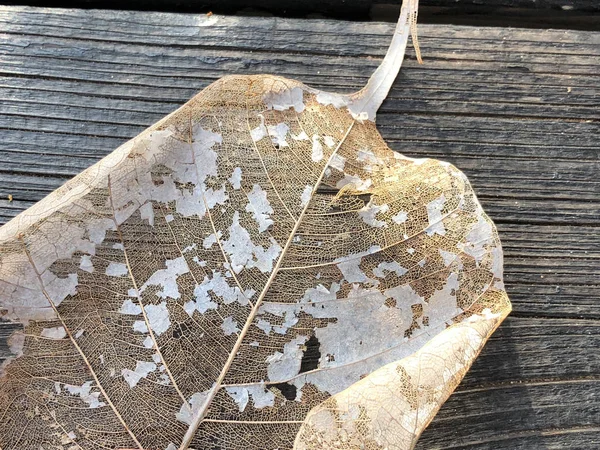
point(569, 14)
point(517, 110)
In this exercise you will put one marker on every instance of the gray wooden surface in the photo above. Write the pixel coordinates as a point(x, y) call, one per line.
point(517, 110)
point(572, 14)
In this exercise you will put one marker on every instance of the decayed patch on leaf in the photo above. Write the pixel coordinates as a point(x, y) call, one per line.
point(257, 270)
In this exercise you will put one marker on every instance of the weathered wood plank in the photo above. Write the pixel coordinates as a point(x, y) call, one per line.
point(586, 5)
point(544, 394)
point(570, 14)
point(516, 110)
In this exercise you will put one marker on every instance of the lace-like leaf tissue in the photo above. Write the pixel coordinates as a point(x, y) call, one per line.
point(258, 270)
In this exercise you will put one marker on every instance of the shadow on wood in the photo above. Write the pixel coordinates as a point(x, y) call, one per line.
point(570, 14)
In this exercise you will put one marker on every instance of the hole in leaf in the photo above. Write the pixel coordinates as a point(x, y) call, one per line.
point(366, 198)
point(323, 189)
point(311, 356)
point(179, 330)
point(287, 390)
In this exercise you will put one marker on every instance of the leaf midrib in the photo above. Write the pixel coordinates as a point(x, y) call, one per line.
point(190, 433)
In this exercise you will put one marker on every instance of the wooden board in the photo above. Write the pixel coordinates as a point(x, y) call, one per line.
point(517, 110)
point(340, 7)
point(567, 14)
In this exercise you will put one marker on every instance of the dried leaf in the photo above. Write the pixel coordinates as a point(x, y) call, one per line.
point(258, 270)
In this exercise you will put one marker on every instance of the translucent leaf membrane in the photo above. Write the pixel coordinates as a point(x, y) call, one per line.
point(256, 265)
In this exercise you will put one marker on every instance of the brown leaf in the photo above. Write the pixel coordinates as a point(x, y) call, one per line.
point(258, 270)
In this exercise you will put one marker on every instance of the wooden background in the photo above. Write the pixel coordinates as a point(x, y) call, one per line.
point(517, 110)
point(569, 14)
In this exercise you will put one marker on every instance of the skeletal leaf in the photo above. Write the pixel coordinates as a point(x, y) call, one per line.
point(258, 270)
